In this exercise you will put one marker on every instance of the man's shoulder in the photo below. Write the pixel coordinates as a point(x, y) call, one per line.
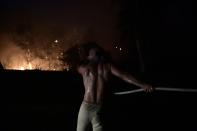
point(82, 68)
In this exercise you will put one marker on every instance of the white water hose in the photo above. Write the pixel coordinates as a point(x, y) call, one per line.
point(158, 89)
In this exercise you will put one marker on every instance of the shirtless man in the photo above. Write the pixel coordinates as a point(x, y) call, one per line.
point(95, 72)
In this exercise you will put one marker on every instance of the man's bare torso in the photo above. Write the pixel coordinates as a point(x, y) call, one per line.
point(95, 78)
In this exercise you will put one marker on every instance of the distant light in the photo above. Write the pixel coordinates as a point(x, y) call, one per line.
point(56, 41)
point(22, 68)
point(120, 49)
point(116, 47)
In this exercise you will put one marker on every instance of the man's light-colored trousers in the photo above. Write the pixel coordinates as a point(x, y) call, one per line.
point(89, 114)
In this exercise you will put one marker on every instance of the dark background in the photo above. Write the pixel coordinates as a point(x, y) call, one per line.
point(38, 100)
point(46, 100)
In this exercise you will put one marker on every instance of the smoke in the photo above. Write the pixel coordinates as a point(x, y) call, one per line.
point(15, 55)
point(35, 49)
point(9, 52)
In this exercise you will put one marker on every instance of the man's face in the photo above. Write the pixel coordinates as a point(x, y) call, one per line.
point(93, 55)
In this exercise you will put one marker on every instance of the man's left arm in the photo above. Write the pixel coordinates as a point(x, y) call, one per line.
point(130, 79)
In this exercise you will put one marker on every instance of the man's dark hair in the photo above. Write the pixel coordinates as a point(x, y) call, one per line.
point(86, 47)
point(77, 55)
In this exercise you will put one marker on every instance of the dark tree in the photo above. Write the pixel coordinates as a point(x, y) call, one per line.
point(1, 66)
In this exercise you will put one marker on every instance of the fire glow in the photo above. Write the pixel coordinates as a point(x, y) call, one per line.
point(15, 58)
point(35, 51)
point(29, 67)
point(40, 65)
point(36, 64)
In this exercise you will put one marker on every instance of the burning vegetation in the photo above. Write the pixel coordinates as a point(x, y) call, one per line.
point(29, 51)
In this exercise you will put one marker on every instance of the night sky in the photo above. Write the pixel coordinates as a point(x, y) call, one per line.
point(98, 19)
point(163, 28)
